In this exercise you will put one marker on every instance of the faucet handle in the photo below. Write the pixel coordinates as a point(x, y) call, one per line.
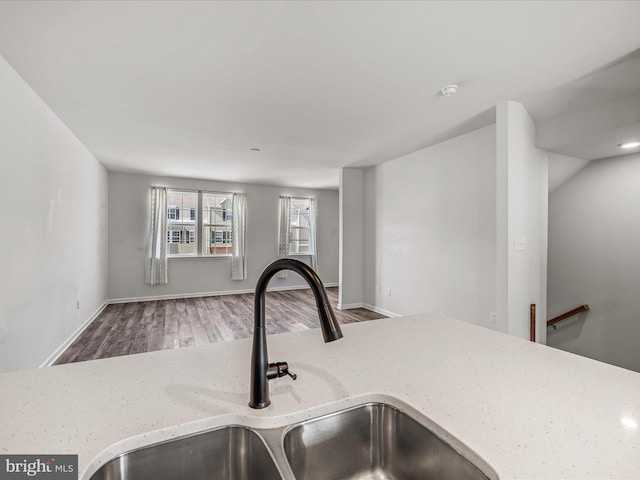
point(279, 369)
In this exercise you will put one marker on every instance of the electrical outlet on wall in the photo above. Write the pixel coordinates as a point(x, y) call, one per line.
point(388, 292)
point(493, 318)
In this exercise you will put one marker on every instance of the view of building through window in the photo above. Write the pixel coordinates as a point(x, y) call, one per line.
point(216, 224)
point(199, 223)
point(181, 222)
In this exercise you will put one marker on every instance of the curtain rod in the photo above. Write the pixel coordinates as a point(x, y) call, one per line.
point(193, 190)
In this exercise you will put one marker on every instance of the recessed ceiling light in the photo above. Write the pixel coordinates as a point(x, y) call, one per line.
point(449, 90)
point(629, 144)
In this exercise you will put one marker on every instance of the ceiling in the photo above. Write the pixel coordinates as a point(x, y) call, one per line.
point(188, 89)
point(589, 117)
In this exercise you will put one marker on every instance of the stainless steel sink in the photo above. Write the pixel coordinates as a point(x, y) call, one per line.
point(374, 441)
point(232, 452)
point(369, 442)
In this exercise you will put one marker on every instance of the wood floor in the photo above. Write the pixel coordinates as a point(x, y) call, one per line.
point(126, 328)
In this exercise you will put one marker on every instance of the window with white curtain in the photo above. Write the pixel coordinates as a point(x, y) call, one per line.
point(300, 227)
point(297, 233)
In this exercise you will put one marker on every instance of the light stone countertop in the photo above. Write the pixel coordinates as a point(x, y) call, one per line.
point(529, 411)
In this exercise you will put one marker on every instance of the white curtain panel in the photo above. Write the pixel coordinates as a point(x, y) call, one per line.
point(238, 230)
point(313, 233)
point(156, 259)
point(283, 236)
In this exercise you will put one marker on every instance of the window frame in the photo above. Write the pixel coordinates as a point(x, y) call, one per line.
point(179, 221)
point(226, 216)
point(290, 240)
point(195, 217)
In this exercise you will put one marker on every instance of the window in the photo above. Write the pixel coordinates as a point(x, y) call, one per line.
point(300, 227)
point(221, 237)
point(216, 224)
point(174, 213)
point(179, 236)
point(191, 212)
point(181, 222)
point(173, 236)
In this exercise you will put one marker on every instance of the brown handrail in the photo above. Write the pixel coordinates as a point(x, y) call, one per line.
point(532, 322)
point(570, 313)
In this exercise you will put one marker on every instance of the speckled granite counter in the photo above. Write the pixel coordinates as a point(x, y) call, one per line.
point(529, 411)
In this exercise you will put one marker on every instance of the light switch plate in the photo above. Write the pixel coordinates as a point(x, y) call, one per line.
point(520, 244)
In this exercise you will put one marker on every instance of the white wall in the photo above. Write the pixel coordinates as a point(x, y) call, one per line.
point(53, 204)
point(351, 237)
point(128, 220)
point(594, 258)
point(522, 193)
point(429, 230)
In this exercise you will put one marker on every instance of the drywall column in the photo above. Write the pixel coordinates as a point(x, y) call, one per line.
point(351, 237)
point(522, 199)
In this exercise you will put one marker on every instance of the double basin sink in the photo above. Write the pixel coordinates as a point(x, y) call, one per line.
point(371, 441)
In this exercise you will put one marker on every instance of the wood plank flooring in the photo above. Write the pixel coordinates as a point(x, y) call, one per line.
point(127, 328)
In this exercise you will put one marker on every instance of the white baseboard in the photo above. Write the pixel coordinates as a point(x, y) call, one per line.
point(54, 356)
point(349, 306)
point(381, 311)
point(173, 296)
point(373, 308)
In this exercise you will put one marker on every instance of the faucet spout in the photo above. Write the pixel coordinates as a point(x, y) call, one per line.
point(261, 370)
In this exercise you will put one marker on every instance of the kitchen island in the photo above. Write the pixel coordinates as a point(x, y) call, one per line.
point(526, 410)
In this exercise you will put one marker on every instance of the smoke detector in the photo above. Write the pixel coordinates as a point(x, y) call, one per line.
point(449, 90)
